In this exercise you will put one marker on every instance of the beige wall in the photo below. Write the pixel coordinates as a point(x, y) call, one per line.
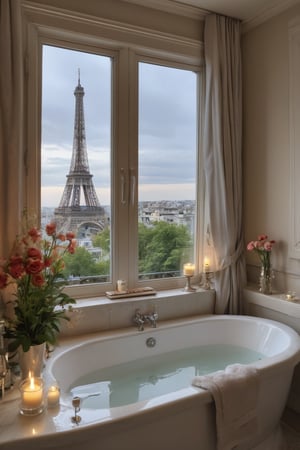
point(266, 144)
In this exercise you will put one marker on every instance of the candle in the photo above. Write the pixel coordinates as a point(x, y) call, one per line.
point(53, 396)
point(31, 395)
point(206, 265)
point(121, 286)
point(188, 269)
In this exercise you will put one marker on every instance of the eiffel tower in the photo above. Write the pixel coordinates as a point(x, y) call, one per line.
point(89, 217)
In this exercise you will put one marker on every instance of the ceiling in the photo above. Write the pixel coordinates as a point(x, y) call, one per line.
point(245, 10)
point(248, 11)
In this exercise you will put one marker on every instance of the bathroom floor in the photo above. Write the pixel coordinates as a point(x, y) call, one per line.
point(291, 430)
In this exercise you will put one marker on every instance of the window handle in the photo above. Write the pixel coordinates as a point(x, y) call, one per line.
point(123, 187)
point(132, 187)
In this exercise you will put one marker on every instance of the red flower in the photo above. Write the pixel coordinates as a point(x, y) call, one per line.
point(48, 261)
point(16, 267)
point(70, 235)
point(51, 228)
point(34, 233)
point(72, 246)
point(34, 266)
point(38, 279)
point(33, 252)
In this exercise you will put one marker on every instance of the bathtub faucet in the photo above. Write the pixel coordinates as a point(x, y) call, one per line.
point(151, 318)
point(140, 319)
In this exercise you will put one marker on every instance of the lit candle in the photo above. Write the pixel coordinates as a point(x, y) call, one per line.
point(53, 396)
point(188, 269)
point(206, 265)
point(31, 393)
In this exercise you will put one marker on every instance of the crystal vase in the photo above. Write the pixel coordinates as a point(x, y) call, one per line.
point(32, 361)
point(265, 280)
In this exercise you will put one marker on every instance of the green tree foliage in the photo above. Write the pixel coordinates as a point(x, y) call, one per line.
point(163, 247)
point(82, 263)
point(102, 240)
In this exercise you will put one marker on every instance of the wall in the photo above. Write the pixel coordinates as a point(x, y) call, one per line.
point(266, 145)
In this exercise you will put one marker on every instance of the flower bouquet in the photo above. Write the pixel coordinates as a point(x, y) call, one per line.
point(34, 271)
point(263, 248)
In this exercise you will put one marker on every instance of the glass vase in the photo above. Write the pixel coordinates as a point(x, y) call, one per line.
point(32, 361)
point(265, 280)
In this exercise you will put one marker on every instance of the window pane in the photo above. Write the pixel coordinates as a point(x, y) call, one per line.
point(76, 154)
point(167, 169)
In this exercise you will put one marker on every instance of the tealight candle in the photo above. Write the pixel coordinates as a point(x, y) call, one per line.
point(31, 396)
point(53, 396)
point(188, 269)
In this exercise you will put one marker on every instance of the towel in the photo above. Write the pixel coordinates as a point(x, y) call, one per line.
point(235, 393)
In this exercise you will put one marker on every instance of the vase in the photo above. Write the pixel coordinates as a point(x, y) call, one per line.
point(265, 280)
point(32, 361)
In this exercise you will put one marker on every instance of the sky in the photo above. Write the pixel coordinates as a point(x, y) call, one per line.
point(167, 126)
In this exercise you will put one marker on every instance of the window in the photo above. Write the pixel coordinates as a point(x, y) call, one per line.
point(119, 157)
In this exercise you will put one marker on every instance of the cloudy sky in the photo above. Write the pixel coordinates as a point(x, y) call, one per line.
point(167, 126)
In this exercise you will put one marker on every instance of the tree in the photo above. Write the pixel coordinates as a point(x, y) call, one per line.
point(81, 263)
point(163, 247)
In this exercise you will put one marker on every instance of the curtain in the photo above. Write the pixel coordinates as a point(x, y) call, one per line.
point(223, 158)
point(11, 122)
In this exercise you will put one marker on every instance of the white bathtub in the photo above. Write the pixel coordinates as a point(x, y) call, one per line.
point(183, 419)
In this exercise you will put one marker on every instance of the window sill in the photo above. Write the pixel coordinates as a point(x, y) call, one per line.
point(102, 314)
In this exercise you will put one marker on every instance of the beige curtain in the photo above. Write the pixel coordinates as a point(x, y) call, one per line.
point(223, 158)
point(11, 122)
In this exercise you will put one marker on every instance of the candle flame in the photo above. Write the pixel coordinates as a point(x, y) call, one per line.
point(31, 379)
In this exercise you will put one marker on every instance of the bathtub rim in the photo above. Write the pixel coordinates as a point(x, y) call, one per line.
point(73, 343)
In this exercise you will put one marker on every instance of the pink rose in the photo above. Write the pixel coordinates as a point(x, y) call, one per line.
point(268, 246)
point(262, 237)
point(70, 235)
point(250, 246)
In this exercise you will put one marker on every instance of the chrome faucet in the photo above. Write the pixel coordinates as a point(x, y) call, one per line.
point(140, 319)
point(151, 318)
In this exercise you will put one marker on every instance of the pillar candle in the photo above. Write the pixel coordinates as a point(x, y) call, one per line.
point(188, 269)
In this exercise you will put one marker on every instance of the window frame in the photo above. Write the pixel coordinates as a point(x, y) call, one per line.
point(123, 44)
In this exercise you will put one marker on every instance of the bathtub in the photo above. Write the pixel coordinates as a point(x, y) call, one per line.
point(183, 418)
